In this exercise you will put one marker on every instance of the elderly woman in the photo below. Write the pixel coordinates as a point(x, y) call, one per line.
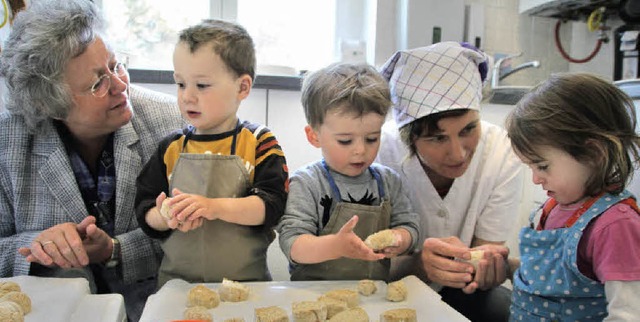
point(463, 177)
point(73, 138)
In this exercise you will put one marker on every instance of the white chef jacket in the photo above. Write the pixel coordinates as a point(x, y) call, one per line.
point(483, 202)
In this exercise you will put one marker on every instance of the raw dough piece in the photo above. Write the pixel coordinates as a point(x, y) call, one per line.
point(19, 298)
point(9, 286)
point(380, 240)
point(367, 287)
point(396, 291)
point(309, 311)
point(165, 209)
point(351, 297)
point(271, 314)
point(199, 313)
point(201, 295)
point(334, 306)
point(476, 256)
point(356, 314)
point(11, 312)
point(399, 315)
point(231, 291)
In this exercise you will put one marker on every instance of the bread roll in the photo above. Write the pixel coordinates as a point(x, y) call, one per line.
point(199, 313)
point(271, 314)
point(396, 291)
point(201, 295)
point(232, 291)
point(399, 315)
point(11, 312)
point(356, 314)
point(19, 298)
point(380, 240)
point(351, 297)
point(165, 209)
point(309, 311)
point(367, 287)
point(334, 306)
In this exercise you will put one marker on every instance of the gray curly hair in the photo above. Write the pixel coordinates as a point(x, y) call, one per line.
point(43, 39)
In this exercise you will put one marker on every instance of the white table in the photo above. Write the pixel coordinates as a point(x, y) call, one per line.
point(68, 300)
point(169, 302)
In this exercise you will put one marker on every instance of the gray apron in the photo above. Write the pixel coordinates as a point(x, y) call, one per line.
point(218, 248)
point(371, 219)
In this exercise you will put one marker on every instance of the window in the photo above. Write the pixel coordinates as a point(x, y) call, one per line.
point(296, 33)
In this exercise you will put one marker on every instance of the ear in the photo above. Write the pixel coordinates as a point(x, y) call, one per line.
point(312, 136)
point(244, 87)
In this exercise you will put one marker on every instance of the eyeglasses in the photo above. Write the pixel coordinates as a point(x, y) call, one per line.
point(102, 86)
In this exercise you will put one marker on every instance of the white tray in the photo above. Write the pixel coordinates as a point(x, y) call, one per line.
point(169, 302)
point(68, 299)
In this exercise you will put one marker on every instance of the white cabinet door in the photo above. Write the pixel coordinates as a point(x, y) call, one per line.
point(286, 120)
point(254, 107)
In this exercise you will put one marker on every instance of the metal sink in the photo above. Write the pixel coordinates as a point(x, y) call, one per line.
point(507, 95)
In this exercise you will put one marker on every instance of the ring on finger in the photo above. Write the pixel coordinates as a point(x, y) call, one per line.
point(45, 243)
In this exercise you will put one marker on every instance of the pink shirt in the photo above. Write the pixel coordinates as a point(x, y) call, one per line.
point(609, 249)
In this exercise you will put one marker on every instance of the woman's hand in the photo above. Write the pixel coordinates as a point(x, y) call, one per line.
point(492, 268)
point(64, 245)
point(439, 265)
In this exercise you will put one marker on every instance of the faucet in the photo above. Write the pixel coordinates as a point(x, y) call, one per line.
point(497, 77)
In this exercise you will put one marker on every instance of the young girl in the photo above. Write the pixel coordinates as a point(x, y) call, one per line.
point(581, 260)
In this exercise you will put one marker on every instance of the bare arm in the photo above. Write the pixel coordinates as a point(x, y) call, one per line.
point(310, 249)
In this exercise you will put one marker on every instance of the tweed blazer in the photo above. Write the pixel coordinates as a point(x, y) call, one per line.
point(38, 188)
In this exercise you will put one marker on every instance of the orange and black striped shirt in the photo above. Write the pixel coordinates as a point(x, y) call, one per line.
point(255, 145)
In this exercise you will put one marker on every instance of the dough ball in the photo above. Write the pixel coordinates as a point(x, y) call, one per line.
point(309, 311)
point(356, 314)
point(9, 286)
point(19, 298)
point(380, 240)
point(165, 209)
point(367, 287)
point(396, 291)
point(334, 306)
point(201, 295)
point(10, 312)
point(399, 315)
point(199, 313)
point(232, 291)
point(271, 314)
point(351, 297)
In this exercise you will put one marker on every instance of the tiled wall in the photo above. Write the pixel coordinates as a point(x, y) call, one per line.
point(508, 32)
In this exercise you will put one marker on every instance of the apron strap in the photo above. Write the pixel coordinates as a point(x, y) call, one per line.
point(233, 142)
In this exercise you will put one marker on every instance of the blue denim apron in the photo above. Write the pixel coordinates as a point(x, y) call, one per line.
point(548, 286)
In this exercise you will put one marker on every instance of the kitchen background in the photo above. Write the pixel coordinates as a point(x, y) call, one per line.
point(324, 31)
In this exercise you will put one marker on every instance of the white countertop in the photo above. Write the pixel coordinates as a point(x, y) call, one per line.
point(169, 303)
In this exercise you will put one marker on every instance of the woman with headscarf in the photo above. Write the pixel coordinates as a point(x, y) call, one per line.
point(463, 178)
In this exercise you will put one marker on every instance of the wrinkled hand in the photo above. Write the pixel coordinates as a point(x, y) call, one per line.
point(492, 269)
point(351, 246)
point(439, 265)
point(62, 245)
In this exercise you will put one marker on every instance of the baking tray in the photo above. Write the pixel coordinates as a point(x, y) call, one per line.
point(169, 302)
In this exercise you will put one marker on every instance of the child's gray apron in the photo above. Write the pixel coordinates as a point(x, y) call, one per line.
point(217, 249)
point(371, 219)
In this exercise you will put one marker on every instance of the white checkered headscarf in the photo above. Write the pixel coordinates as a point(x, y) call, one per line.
point(433, 79)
